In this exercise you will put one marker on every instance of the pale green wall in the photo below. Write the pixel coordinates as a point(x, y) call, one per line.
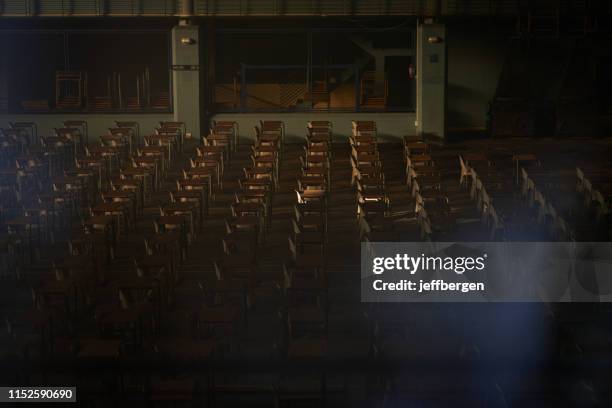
point(431, 81)
point(186, 84)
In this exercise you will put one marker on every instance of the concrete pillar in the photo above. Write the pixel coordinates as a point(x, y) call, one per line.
point(186, 76)
point(186, 8)
point(431, 80)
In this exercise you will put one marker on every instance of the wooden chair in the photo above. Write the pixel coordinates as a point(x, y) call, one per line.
point(73, 135)
point(243, 233)
point(176, 228)
point(228, 127)
point(134, 128)
point(105, 228)
point(32, 130)
point(111, 156)
point(158, 153)
point(194, 198)
point(251, 208)
point(143, 176)
point(128, 135)
point(179, 129)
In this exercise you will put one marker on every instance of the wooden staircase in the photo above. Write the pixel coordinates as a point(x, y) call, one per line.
point(368, 97)
point(291, 94)
point(319, 94)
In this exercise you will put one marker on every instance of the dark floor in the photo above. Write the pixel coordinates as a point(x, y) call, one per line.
point(409, 355)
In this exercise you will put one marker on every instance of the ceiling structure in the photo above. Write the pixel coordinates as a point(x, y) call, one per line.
point(264, 8)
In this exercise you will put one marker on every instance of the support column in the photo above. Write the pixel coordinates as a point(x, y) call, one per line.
point(431, 80)
point(186, 76)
